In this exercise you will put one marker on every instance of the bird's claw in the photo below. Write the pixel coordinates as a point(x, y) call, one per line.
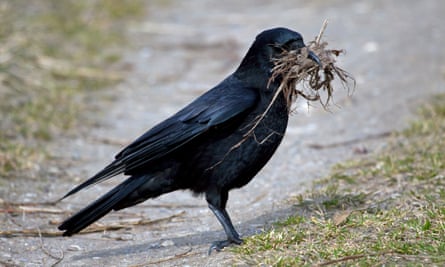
point(219, 245)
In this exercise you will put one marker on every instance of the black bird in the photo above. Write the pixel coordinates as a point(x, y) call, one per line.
point(216, 143)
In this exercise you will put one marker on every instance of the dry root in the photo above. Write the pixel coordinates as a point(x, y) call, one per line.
point(302, 76)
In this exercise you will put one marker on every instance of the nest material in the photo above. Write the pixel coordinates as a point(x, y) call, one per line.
point(295, 68)
point(303, 77)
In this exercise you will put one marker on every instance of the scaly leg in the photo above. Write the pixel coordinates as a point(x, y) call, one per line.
point(224, 218)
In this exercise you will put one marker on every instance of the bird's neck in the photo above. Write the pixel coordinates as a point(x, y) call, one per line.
point(256, 76)
point(253, 73)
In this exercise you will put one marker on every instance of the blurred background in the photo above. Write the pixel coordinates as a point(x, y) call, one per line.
point(81, 79)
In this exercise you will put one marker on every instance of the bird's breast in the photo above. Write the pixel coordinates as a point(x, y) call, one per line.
point(257, 140)
point(230, 157)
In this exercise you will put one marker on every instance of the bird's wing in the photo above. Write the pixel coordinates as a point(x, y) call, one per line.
point(211, 109)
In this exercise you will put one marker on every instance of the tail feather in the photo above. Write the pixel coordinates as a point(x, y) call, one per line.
point(115, 168)
point(100, 207)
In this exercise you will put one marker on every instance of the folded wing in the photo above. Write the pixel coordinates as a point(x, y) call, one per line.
point(218, 106)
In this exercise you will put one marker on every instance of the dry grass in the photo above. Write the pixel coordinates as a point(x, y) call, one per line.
point(51, 54)
point(303, 77)
point(384, 209)
point(296, 71)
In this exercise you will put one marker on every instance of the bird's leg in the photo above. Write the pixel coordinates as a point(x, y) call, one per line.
point(224, 218)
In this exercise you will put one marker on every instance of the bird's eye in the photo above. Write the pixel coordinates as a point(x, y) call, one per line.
point(277, 48)
point(293, 44)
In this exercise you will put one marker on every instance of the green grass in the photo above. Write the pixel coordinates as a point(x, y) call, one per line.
point(52, 53)
point(385, 209)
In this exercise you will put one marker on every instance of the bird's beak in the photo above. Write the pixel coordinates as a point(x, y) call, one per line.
point(311, 55)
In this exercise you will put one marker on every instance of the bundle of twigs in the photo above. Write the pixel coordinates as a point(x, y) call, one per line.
point(295, 68)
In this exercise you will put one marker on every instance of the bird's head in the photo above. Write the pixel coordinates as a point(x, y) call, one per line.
point(268, 45)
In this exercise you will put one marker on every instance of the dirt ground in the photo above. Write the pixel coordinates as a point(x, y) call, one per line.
point(183, 48)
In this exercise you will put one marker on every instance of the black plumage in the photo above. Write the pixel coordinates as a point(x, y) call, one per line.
point(208, 147)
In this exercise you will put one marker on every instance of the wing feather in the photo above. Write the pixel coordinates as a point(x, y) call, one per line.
point(218, 106)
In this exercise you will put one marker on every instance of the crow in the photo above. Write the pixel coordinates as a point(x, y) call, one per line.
point(215, 144)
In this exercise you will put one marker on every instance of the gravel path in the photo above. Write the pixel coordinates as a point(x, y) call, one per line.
point(394, 49)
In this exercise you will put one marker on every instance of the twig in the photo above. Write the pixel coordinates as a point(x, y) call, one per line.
point(320, 34)
point(30, 207)
point(350, 142)
point(45, 203)
point(92, 229)
point(42, 246)
point(174, 257)
point(258, 121)
point(28, 233)
point(249, 133)
point(347, 258)
point(23, 209)
point(355, 257)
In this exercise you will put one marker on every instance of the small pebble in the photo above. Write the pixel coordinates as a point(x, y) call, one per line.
point(74, 248)
point(167, 243)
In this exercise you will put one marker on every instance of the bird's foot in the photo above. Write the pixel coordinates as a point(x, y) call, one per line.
point(219, 245)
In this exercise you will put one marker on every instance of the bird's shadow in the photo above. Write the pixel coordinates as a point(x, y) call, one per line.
point(202, 238)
